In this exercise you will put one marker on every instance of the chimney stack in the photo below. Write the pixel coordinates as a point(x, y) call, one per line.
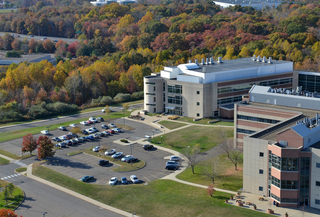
point(207, 61)
point(270, 60)
point(211, 60)
point(254, 58)
point(196, 61)
point(258, 59)
point(264, 59)
point(220, 60)
point(202, 61)
point(190, 61)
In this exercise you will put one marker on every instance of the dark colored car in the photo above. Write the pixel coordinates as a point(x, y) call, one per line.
point(103, 126)
point(86, 178)
point(56, 139)
point(102, 134)
point(171, 167)
point(124, 180)
point(62, 128)
point(83, 138)
point(90, 137)
point(68, 142)
point(75, 136)
point(100, 119)
point(69, 136)
point(103, 162)
point(147, 147)
point(85, 132)
point(74, 142)
point(134, 159)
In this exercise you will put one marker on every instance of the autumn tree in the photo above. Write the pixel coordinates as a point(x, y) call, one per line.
point(7, 212)
point(76, 130)
point(32, 45)
point(48, 45)
point(45, 147)
point(210, 190)
point(16, 44)
point(7, 41)
point(192, 154)
point(29, 143)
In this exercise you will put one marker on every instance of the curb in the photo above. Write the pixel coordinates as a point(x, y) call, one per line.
point(75, 154)
point(24, 197)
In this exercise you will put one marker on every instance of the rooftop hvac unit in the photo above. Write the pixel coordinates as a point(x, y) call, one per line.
point(196, 61)
point(264, 60)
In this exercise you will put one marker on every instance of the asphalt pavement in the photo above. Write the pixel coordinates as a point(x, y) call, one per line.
point(59, 120)
point(35, 37)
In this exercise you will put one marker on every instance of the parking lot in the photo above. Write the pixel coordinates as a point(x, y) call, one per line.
point(139, 131)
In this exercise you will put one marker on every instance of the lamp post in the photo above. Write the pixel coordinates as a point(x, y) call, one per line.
point(153, 134)
point(44, 214)
point(48, 127)
point(134, 214)
point(161, 139)
point(6, 195)
point(131, 153)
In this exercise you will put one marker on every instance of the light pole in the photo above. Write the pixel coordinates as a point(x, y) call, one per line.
point(153, 134)
point(6, 194)
point(44, 214)
point(134, 214)
point(161, 139)
point(48, 127)
point(131, 153)
point(124, 117)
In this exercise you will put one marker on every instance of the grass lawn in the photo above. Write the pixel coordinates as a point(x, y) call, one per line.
point(171, 124)
point(179, 140)
point(71, 113)
point(21, 169)
point(158, 198)
point(229, 178)
point(205, 121)
point(9, 154)
point(3, 161)
point(124, 167)
point(13, 200)
point(6, 11)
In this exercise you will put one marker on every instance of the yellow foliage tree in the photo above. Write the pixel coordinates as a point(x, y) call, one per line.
point(59, 78)
point(244, 52)
point(125, 21)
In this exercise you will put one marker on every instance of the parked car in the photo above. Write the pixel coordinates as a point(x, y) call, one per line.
point(93, 119)
point(96, 149)
point(43, 39)
point(83, 138)
point(117, 155)
point(78, 140)
point(103, 162)
point(147, 136)
point(124, 180)
point(68, 142)
point(173, 163)
point(100, 119)
point(111, 131)
point(84, 132)
point(61, 145)
point(103, 126)
point(134, 179)
point(94, 129)
point(113, 181)
point(56, 139)
point(112, 125)
point(133, 159)
point(148, 147)
point(89, 122)
point(106, 132)
point(90, 131)
point(62, 128)
point(45, 132)
point(72, 125)
point(96, 136)
point(62, 138)
point(110, 152)
point(103, 110)
point(75, 136)
point(171, 167)
point(127, 157)
point(31, 36)
point(68, 136)
point(90, 137)
point(175, 158)
point(86, 178)
point(84, 123)
point(117, 130)
point(74, 141)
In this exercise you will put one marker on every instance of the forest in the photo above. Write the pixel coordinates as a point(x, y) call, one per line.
point(118, 45)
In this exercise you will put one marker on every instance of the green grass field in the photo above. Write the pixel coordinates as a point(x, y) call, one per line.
point(205, 121)
point(3, 161)
point(229, 178)
point(6, 11)
point(13, 200)
point(21, 169)
point(171, 125)
point(179, 140)
point(158, 198)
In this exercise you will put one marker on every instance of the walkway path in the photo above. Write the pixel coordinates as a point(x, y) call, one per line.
point(8, 158)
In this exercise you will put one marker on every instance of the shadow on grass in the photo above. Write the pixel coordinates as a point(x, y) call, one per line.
point(219, 197)
point(57, 161)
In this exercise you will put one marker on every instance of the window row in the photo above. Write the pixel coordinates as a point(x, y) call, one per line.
point(264, 120)
point(284, 164)
point(276, 82)
point(284, 184)
point(229, 100)
point(150, 94)
point(175, 100)
point(284, 200)
point(175, 89)
point(239, 130)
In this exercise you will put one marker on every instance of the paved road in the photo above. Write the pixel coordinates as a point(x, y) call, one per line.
point(59, 120)
point(68, 40)
point(41, 198)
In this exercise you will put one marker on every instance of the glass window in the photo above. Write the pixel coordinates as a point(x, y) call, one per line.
point(264, 120)
point(198, 103)
point(261, 154)
point(150, 94)
point(317, 201)
point(260, 171)
point(317, 183)
point(260, 188)
point(154, 88)
point(175, 89)
point(150, 83)
point(318, 165)
point(154, 99)
point(198, 92)
point(164, 86)
point(239, 130)
point(175, 100)
point(198, 114)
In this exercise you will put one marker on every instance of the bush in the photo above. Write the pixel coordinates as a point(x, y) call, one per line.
point(174, 117)
point(12, 54)
point(124, 140)
point(120, 97)
point(138, 95)
point(106, 100)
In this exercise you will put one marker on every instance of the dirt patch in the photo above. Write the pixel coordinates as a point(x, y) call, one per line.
point(231, 171)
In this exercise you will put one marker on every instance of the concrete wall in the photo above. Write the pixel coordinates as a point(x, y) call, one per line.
point(153, 103)
point(252, 162)
point(315, 176)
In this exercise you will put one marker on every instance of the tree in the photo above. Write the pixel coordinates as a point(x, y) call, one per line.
point(107, 110)
point(72, 84)
point(125, 107)
point(16, 44)
point(210, 190)
point(7, 212)
point(45, 147)
point(32, 45)
point(11, 188)
point(7, 41)
point(192, 154)
point(29, 143)
point(48, 45)
point(212, 169)
point(76, 130)
point(233, 154)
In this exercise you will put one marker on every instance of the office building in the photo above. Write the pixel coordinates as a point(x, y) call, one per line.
point(257, 4)
point(210, 88)
point(281, 147)
point(107, 2)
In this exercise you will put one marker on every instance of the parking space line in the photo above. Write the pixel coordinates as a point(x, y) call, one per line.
point(155, 176)
point(147, 179)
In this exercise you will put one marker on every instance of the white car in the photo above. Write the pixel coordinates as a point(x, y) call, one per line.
point(62, 138)
point(93, 119)
point(116, 155)
point(84, 123)
point(103, 110)
point(45, 132)
point(175, 158)
point(134, 179)
point(117, 130)
point(127, 157)
point(62, 128)
point(110, 152)
point(96, 149)
point(72, 125)
point(112, 125)
point(113, 181)
point(147, 136)
point(94, 129)
point(90, 131)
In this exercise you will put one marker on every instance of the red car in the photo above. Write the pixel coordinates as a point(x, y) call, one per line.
point(110, 131)
point(68, 136)
point(89, 122)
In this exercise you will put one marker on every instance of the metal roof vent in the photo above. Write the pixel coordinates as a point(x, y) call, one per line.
point(190, 61)
point(204, 70)
point(219, 60)
point(258, 59)
point(196, 61)
point(270, 60)
point(254, 58)
point(207, 61)
point(211, 61)
point(264, 60)
point(202, 61)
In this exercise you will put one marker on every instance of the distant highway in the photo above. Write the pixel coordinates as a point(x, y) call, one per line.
point(68, 40)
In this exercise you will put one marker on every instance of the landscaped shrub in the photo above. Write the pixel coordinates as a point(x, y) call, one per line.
point(138, 95)
point(106, 100)
point(13, 54)
point(174, 117)
point(124, 141)
point(122, 97)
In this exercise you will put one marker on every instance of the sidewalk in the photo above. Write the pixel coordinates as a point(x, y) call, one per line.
point(80, 196)
point(8, 158)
